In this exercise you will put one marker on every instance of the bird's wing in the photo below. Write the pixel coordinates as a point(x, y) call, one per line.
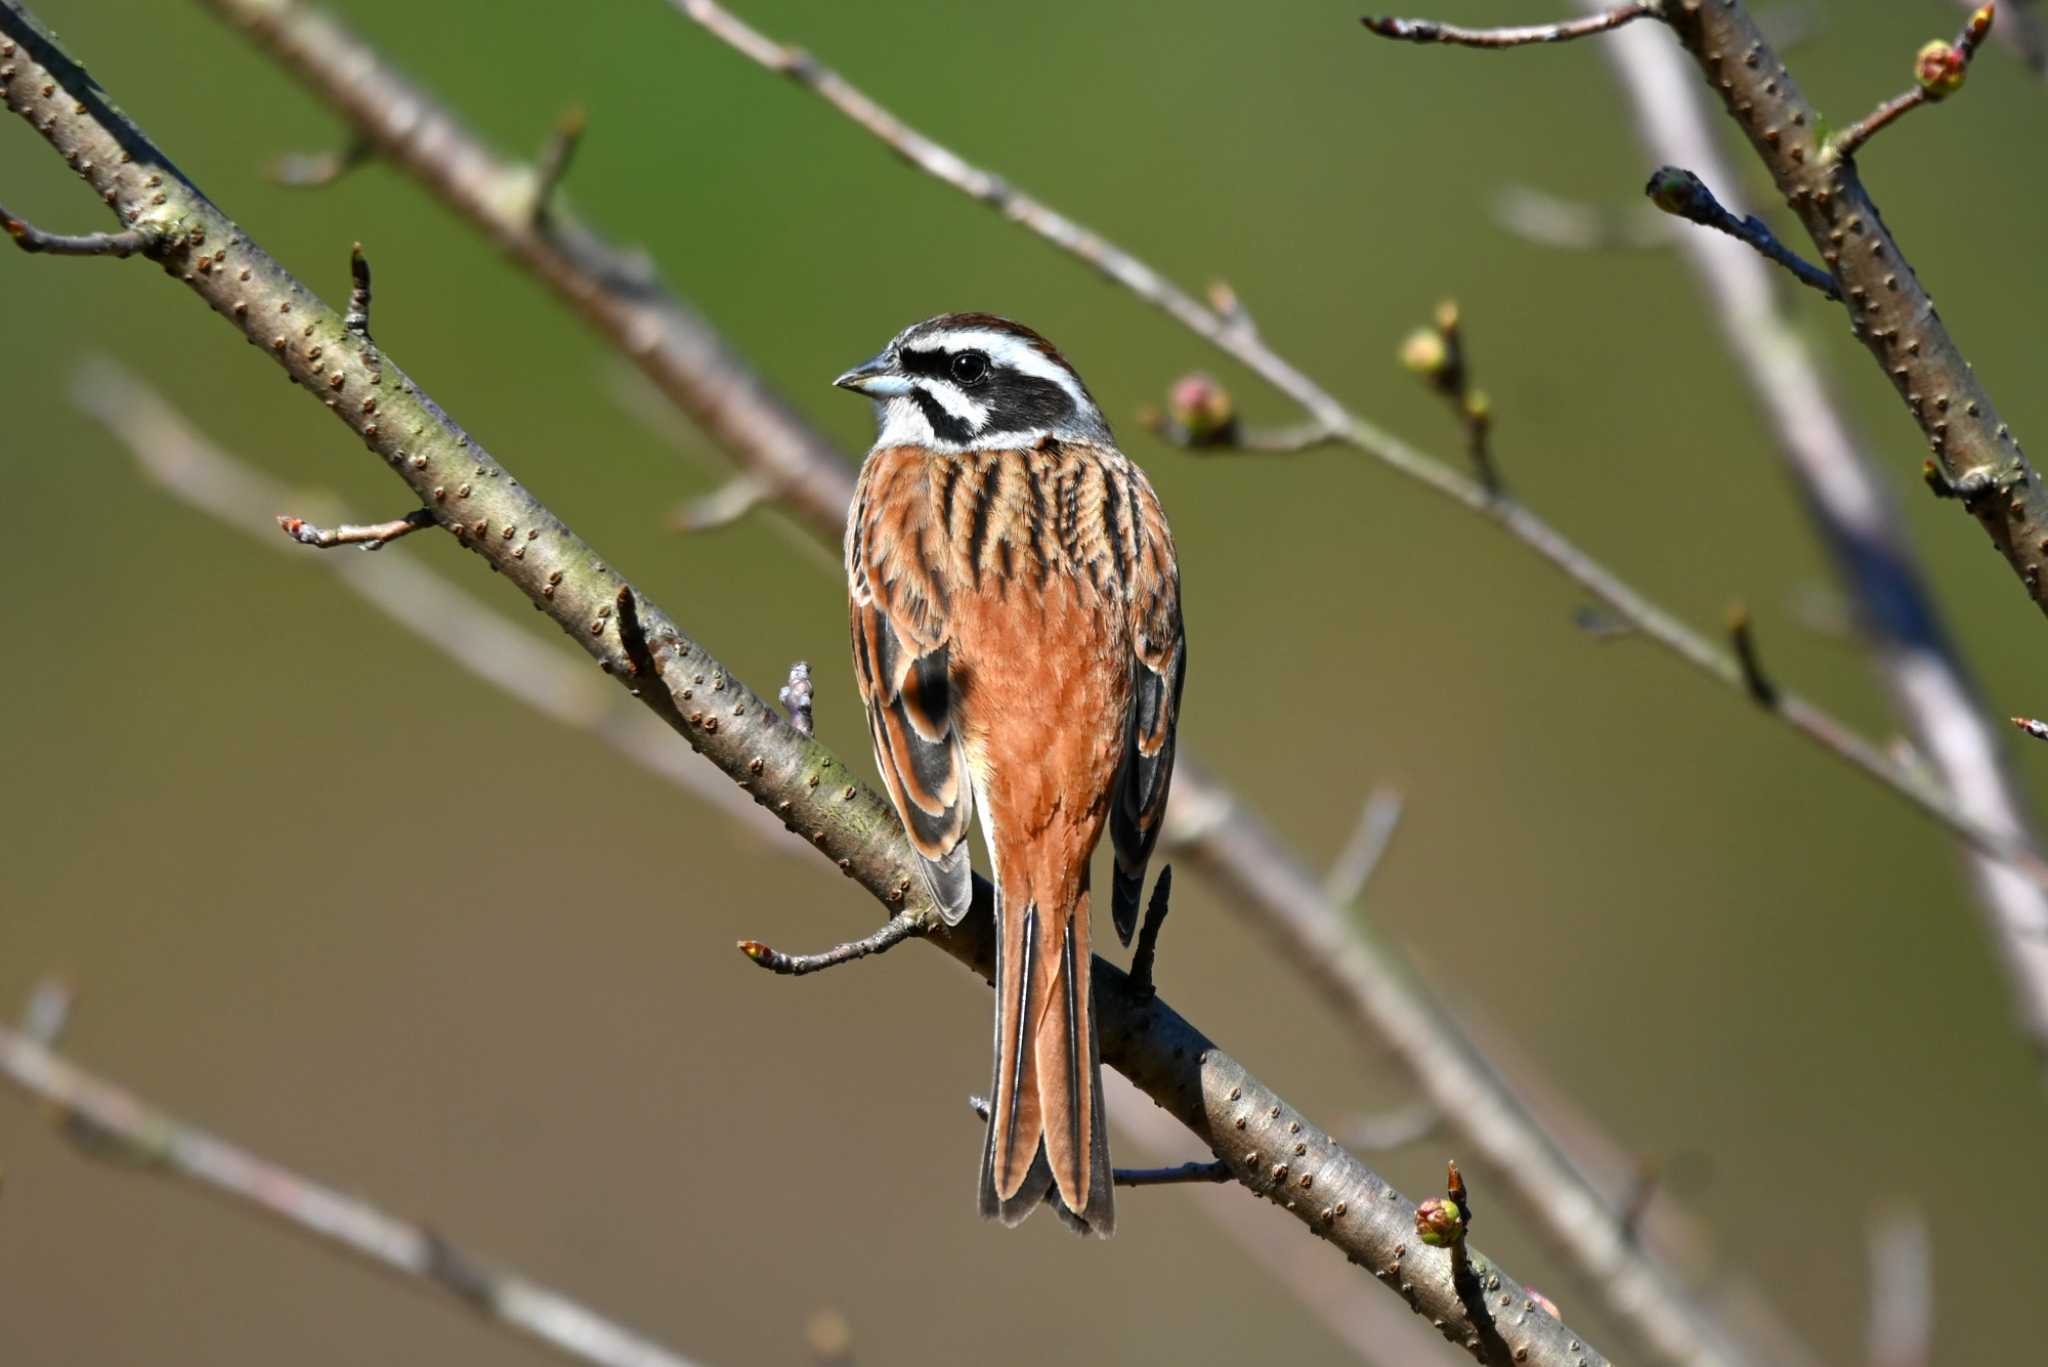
point(898, 605)
point(1158, 665)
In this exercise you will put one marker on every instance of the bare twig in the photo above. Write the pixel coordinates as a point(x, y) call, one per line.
point(1392, 1129)
point(1552, 221)
point(1429, 31)
point(111, 1123)
point(1680, 192)
point(357, 320)
point(2037, 729)
point(1859, 524)
point(32, 239)
point(898, 928)
point(1147, 951)
point(1901, 1330)
point(1761, 690)
point(1147, 284)
point(370, 536)
point(1360, 858)
point(555, 155)
point(317, 170)
point(1939, 70)
point(1185, 1174)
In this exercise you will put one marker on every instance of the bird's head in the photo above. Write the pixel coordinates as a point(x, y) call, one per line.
point(973, 381)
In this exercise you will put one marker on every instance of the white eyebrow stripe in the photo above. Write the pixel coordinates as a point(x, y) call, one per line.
point(1014, 352)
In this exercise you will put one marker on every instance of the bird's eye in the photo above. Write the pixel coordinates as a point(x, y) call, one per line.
point(970, 367)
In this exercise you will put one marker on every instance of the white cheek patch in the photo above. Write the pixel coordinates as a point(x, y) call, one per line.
point(956, 403)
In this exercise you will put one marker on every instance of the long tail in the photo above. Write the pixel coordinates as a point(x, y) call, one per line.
point(1046, 1139)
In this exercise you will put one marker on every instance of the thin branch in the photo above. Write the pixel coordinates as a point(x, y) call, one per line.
point(2037, 729)
point(1147, 951)
point(1354, 867)
point(1564, 31)
point(1553, 221)
point(1437, 355)
point(32, 239)
point(371, 536)
point(1186, 1174)
point(111, 1123)
point(555, 156)
point(357, 320)
point(1901, 1332)
point(1397, 1128)
point(1243, 1122)
point(1939, 71)
point(1680, 192)
point(1740, 634)
point(898, 928)
point(1615, 594)
point(317, 170)
point(1859, 524)
point(723, 506)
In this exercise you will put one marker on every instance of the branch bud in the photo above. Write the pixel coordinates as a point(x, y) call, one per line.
point(1439, 1223)
point(1425, 353)
point(1941, 68)
point(1202, 408)
point(1676, 190)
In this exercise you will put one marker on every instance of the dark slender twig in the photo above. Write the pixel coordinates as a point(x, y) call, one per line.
point(110, 1124)
point(1761, 690)
point(1179, 1176)
point(555, 156)
point(898, 928)
point(1680, 192)
point(372, 536)
point(1147, 951)
point(640, 661)
point(357, 319)
point(32, 239)
point(317, 170)
point(1939, 71)
point(795, 697)
point(1564, 31)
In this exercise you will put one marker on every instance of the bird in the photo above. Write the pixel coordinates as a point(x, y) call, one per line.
point(1014, 600)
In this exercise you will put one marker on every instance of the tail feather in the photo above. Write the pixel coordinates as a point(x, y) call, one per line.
point(1046, 1140)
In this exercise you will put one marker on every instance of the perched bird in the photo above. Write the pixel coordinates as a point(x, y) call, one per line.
point(1015, 607)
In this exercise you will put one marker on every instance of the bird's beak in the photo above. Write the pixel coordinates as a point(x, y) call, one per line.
point(876, 378)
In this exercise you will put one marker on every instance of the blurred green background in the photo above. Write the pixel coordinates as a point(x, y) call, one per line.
point(324, 893)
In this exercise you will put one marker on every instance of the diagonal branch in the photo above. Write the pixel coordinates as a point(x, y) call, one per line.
point(1270, 1148)
point(115, 1124)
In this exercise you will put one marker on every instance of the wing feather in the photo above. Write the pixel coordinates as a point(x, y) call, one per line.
point(1158, 668)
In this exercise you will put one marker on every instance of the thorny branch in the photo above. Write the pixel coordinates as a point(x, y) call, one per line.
point(112, 1124)
point(1327, 1189)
